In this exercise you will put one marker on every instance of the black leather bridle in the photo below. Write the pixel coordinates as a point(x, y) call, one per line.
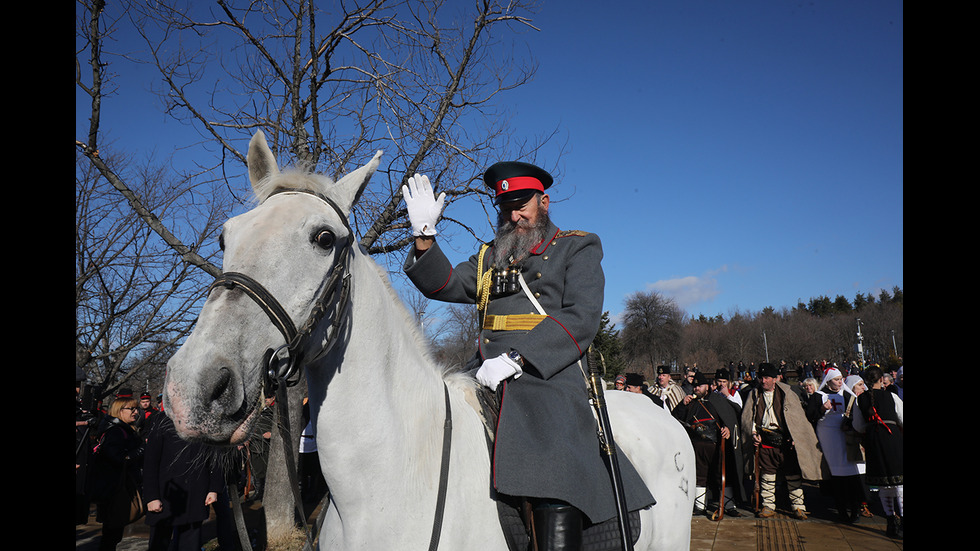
point(333, 298)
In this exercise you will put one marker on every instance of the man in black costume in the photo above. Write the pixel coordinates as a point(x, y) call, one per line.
point(712, 423)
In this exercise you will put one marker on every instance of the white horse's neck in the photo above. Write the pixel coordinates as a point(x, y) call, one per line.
point(381, 412)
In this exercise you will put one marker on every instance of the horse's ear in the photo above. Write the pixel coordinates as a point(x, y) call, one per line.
point(261, 161)
point(352, 185)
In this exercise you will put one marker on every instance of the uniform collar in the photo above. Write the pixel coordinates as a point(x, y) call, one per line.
point(541, 247)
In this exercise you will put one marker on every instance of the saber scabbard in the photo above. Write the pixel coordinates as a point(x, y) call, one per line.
point(608, 445)
point(720, 513)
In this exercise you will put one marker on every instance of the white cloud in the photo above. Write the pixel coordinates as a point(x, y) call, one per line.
point(690, 290)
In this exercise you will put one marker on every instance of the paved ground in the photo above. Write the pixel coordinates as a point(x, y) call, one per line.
point(819, 533)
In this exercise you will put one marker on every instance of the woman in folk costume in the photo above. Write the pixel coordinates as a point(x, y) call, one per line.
point(881, 419)
point(828, 413)
point(854, 439)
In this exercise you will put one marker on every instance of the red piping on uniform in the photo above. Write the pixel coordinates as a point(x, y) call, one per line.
point(446, 283)
point(569, 335)
point(545, 242)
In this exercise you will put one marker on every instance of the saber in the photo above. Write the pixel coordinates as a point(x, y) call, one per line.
point(608, 446)
point(720, 513)
point(757, 507)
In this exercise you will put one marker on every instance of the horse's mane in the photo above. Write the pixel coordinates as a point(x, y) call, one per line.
point(297, 178)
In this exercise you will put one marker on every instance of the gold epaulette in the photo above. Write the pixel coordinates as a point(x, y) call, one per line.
point(577, 233)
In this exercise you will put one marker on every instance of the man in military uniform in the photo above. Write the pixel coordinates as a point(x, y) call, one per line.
point(539, 294)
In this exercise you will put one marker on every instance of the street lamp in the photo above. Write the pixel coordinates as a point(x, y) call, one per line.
point(860, 345)
point(765, 344)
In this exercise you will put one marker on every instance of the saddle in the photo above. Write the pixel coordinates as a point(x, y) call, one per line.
point(595, 537)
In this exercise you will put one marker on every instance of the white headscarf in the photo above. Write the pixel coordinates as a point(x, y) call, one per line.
point(833, 373)
point(853, 380)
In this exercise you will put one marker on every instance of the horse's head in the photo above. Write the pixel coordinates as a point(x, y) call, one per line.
point(279, 274)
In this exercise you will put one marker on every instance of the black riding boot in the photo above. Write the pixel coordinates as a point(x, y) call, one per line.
point(558, 527)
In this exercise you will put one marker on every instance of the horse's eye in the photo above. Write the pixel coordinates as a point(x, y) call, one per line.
point(324, 239)
point(221, 241)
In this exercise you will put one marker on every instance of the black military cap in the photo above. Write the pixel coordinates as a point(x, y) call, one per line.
point(700, 379)
point(722, 374)
point(516, 180)
point(663, 370)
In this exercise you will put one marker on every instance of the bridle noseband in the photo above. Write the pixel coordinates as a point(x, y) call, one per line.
point(333, 297)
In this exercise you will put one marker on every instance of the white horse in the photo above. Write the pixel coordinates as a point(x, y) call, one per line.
point(377, 397)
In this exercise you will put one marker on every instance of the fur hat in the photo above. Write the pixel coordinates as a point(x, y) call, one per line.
point(766, 369)
point(634, 379)
point(700, 379)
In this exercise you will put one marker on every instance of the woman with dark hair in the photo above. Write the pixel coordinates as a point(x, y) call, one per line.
point(119, 449)
point(881, 420)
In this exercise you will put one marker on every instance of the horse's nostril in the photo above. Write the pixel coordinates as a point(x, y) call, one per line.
point(221, 382)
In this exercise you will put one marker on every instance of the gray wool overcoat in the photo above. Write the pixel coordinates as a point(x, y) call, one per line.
point(546, 444)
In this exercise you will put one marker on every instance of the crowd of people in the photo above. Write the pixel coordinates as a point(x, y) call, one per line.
point(129, 453)
point(752, 430)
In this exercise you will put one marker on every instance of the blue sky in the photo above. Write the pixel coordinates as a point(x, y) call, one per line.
point(731, 155)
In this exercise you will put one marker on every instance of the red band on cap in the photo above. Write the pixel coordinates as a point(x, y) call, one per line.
point(518, 183)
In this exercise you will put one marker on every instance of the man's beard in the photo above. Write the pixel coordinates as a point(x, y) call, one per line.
point(514, 241)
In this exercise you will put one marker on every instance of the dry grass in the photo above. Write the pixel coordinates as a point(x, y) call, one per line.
point(286, 540)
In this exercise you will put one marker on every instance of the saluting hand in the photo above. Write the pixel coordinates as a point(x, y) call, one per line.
point(424, 208)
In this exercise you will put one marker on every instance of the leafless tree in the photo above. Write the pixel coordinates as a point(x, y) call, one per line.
point(456, 334)
point(133, 303)
point(703, 344)
point(652, 327)
point(741, 339)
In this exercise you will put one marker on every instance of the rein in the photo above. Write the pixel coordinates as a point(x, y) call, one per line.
point(285, 372)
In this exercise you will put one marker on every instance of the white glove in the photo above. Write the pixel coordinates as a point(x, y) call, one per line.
point(497, 369)
point(423, 208)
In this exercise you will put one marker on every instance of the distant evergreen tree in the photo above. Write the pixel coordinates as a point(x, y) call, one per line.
point(820, 306)
point(859, 302)
point(841, 305)
point(897, 295)
point(607, 343)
